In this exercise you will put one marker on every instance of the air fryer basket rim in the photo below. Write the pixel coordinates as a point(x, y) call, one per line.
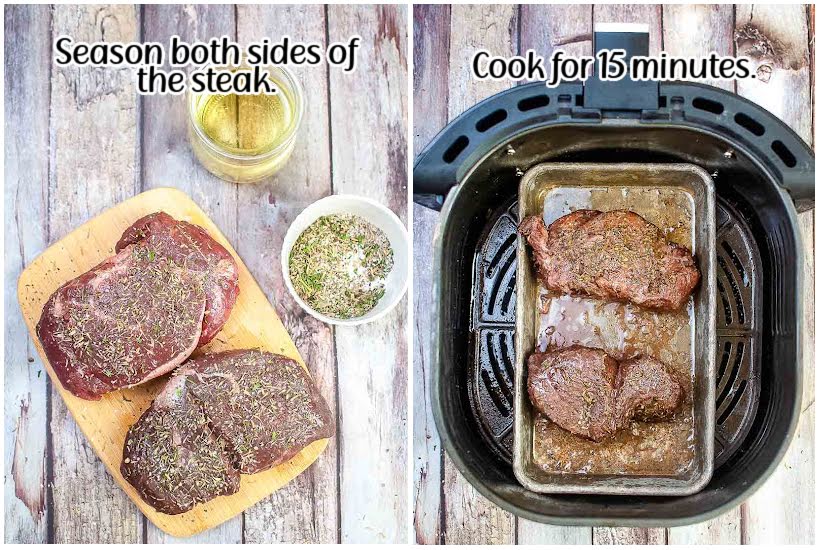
point(486, 491)
point(483, 488)
point(432, 174)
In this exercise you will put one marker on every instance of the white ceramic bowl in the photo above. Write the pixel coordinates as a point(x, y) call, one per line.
point(377, 214)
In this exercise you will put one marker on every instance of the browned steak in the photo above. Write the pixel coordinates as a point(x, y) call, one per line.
point(135, 316)
point(575, 388)
point(586, 392)
point(172, 456)
point(264, 405)
point(647, 391)
point(243, 411)
point(614, 255)
point(191, 246)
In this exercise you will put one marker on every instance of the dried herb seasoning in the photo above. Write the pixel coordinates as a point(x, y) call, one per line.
point(339, 264)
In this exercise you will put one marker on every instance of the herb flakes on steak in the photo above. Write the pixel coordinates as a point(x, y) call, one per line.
point(172, 456)
point(190, 246)
point(242, 411)
point(587, 392)
point(264, 405)
point(135, 316)
point(615, 255)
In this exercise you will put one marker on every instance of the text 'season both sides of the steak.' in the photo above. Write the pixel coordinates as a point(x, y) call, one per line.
point(608, 199)
point(206, 220)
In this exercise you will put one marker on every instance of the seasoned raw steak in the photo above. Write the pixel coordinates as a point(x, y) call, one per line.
point(586, 392)
point(172, 456)
point(614, 255)
point(135, 316)
point(264, 405)
point(236, 411)
point(191, 246)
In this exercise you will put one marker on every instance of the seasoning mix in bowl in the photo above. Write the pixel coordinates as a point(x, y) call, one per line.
point(339, 265)
point(345, 259)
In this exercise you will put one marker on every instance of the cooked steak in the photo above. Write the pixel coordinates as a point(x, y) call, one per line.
point(614, 255)
point(172, 456)
point(647, 391)
point(135, 316)
point(586, 392)
point(575, 388)
point(264, 405)
point(191, 246)
point(236, 411)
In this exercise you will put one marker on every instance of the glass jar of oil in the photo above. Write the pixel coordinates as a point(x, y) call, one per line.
point(245, 138)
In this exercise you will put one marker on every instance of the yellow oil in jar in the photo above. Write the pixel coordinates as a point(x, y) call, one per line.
point(245, 138)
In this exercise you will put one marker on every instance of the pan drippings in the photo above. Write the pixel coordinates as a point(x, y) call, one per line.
point(623, 331)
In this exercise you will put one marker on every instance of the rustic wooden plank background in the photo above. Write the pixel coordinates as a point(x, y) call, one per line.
point(447, 509)
point(80, 140)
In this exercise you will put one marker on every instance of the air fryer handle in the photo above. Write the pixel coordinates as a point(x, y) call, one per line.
point(479, 130)
point(800, 184)
point(625, 94)
point(433, 177)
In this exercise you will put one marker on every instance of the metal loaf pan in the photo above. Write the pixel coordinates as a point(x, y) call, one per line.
point(534, 190)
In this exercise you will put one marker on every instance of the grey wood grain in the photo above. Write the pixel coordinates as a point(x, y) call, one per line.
point(699, 29)
point(368, 119)
point(169, 161)
point(431, 51)
point(95, 164)
point(782, 511)
point(546, 28)
point(26, 165)
point(306, 510)
point(469, 518)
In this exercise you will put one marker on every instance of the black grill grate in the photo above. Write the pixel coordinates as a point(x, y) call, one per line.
point(738, 332)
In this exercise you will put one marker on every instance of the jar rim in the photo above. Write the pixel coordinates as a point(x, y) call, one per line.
point(284, 142)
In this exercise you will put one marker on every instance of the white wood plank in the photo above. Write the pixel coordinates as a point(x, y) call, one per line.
point(469, 517)
point(628, 535)
point(493, 27)
point(783, 510)
point(783, 85)
point(699, 29)
point(94, 147)
point(369, 153)
point(531, 532)
point(306, 510)
point(169, 161)
point(25, 391)
point(430, 79)
point(725, 529)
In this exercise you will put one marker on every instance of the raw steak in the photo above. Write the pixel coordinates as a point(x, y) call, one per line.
point(135, 316)
point(586, 392)
point(191, 246)
point(172, 456)
point(614, 255)
point(238, 411)
point(264, 405)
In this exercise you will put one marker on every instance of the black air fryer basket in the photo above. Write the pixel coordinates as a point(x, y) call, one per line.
point(763, 174)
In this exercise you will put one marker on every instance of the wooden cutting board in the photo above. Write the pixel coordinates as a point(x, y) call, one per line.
point(253, 324)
